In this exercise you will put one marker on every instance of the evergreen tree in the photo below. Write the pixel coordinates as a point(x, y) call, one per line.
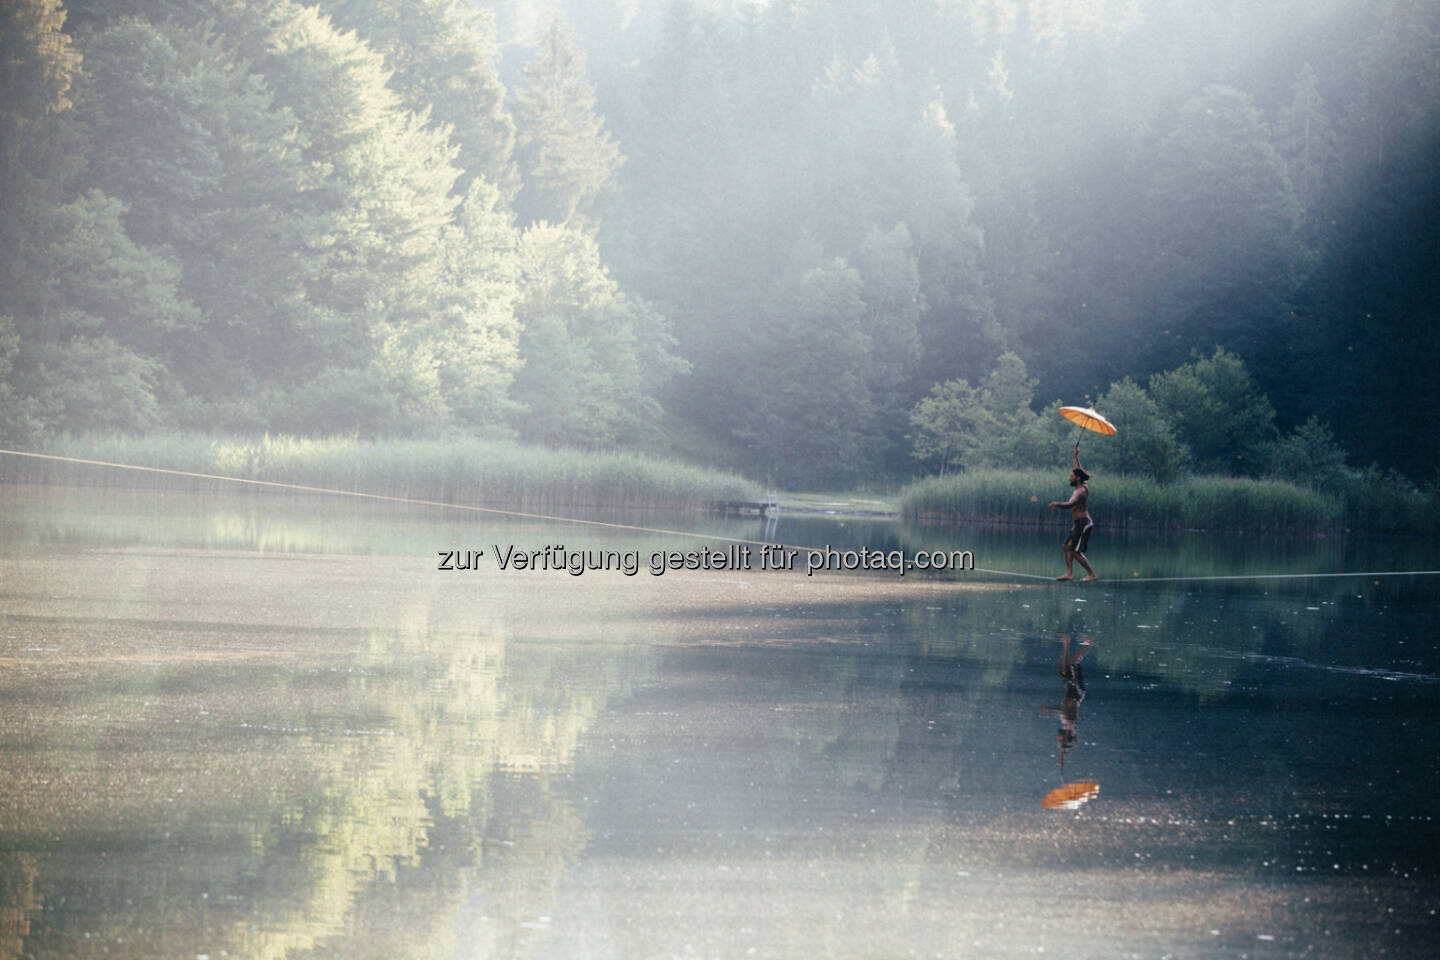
point(566, 157)
point(959, 333)
point(1305, 138)
point(894, 312)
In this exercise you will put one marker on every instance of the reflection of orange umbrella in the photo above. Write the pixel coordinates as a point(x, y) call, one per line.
point(1072, 795)
point(1089, 419)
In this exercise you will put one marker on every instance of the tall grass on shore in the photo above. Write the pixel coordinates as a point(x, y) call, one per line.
point(1196, 503)
point(452, 471)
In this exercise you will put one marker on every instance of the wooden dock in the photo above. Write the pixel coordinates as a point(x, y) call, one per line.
point(747, 508)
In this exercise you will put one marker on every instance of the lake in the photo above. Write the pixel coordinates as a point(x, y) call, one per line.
point(254, 725)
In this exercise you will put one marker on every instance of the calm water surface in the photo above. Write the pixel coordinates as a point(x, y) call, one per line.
point(260, 726)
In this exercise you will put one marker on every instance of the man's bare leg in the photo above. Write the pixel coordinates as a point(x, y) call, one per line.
point(1069, 565)
point(1086, 564)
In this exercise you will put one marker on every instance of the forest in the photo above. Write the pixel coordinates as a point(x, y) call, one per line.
point(820, 243)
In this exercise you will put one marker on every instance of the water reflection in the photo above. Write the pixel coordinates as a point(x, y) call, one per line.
point(279, 738)
point(18, 901)
point(196, 781)
point(1069, 709)
point(1072, 795)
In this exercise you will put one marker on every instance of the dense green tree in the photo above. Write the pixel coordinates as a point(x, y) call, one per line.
point(94, 322)
point(993, 425)
point(1218, 413)
point(443, 55)
point(470, 343)
point(223, 189)
point(38, 66)
point(1308, 455)
point(137, 84)
point(312, 214)
point(951, 425)
point(87, 309)
point(594, 357)
point(387, 193)
point(1020, 438)
point(1144, 443)
point(366, 229)
point(804, 407)
point(299, 199)
point(97, 277)
point(41, 145)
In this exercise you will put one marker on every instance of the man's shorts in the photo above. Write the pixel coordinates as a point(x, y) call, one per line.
point(1079, 539)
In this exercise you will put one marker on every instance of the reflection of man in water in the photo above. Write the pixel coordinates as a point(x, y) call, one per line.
point(1079, 504)
point(1069, 712)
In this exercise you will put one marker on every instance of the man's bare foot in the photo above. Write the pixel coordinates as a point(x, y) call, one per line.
point(1093, 576)
point(1068, 576)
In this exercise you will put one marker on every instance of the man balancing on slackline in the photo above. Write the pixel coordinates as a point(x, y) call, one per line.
point(1079, 504)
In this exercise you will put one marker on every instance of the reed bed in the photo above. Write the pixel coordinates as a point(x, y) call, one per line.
point(482, 472)
point(1195, 503)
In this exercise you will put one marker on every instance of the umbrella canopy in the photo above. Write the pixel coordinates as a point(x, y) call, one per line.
point(1072, 795)
point(1089, 419)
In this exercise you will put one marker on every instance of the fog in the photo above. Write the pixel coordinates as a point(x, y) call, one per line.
point(750, 235)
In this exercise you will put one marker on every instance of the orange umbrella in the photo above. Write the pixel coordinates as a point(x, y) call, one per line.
point(1089, 419)
point(1072, 795)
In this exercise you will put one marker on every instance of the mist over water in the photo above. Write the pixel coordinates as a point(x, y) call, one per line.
point(295, 736)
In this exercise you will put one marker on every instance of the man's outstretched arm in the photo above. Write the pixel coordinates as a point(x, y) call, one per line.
point(1056, 504)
